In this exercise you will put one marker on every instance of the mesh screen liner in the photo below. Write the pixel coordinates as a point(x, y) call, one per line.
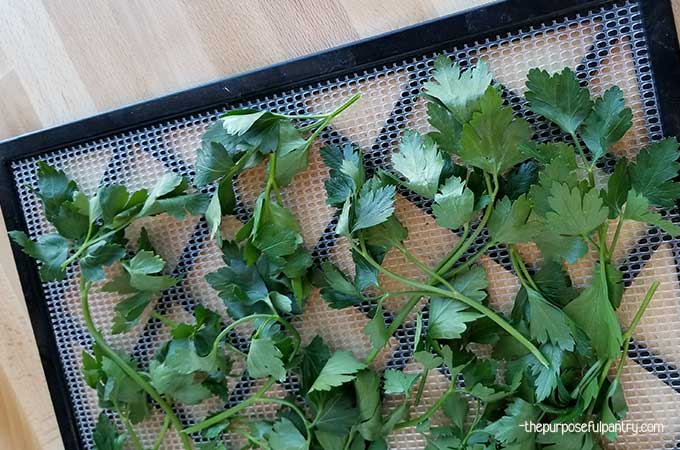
point(606, 47)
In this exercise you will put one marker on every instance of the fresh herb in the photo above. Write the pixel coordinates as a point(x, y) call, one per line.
point(485, 179)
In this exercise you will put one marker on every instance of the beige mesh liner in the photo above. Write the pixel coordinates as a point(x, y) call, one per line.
point(389, 103)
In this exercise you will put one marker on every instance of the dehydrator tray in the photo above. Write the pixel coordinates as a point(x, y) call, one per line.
point(632, 44)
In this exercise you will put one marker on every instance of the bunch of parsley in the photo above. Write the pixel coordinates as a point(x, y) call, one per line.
point(482, 175)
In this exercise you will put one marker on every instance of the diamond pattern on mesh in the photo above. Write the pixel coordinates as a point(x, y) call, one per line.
point(605, 47)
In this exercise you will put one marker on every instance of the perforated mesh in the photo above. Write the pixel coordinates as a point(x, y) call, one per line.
point(605, 47)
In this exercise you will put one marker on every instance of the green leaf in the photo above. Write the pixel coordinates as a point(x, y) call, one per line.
point(375, 206)
point(339, 292)
point(182, 373)
point(70, 222)
point(345, 172)
point(314, 357)
point(334, 413)
point(573, 212)
point(547, 323)
point(143, 268)
point(509, 222)
point(638, 208)
point(112, 200)
point(653, 171)
point(50, 249)
point(607, 122)
point(492, 139)
point(241, 287)
point(166, 185)
point(285, 436)
point(367, 387)
point(454, 205)
point(614, 407)
point(98, 255)
point(339, 369)
point(213, 161)
point(239, 121)
point(456, 407)
point(264, 360)
point(546, 378)
point(558, 97)
point(54, 188)
point(508, 429)
point(519, 180)
point(428, 360)
point(448, 318)
point(457, 90)
point(593, 313)
point(275, 241)
point(420, 162)
point(106, 436)
point(398, 382)
point(129, 311)
point(292, 153)
point(471, 283)
point(618, 186)
point(119, 390)
point(376, 330)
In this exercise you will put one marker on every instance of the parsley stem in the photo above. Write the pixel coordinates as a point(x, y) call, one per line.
point(430, 411)
point(161, 435)
point(124, 366)
point(521, 270)
point(451, 293)
point(471, 260)
point(617, 233)
point(476, 420)
point(586, 164)
point(227, 413)
point(136, 443)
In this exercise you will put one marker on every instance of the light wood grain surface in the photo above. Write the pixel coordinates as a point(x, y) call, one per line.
point(61, 60)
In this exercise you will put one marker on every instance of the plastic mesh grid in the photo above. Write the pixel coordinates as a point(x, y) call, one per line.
point(605, 47)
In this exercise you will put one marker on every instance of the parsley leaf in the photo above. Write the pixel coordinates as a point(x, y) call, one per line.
point(492, 139)
point(638, 208)
point(420, 162)
point(558, 97)
point(398, 382)
point(51, 250)
point(457, 90)
point(547, 323)
point(593, 313)
point(454, 204)
point(375, 206)
point(340, 368)
point(285, 436)
point(508, 429)
point(264, 360)
point(575, 213)
point(106, 436)
point(367, 387)
point(607, 122)
point(449, 318)
point(653, 170)
point(509, 222)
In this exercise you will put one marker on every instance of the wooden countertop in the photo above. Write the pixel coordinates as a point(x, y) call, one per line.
point(61, 60)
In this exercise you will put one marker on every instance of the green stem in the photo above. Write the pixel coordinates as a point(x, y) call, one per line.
point(430, 411)
point(455, 295)
point(473, 425)
point(471, 260)
point(617, 233)
point(589, 168)
point(421, 388)
point(227, 413)
point(327, 118)
point(124, 366)
point(521, 270)
point(161, 435)
point(252, 317)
